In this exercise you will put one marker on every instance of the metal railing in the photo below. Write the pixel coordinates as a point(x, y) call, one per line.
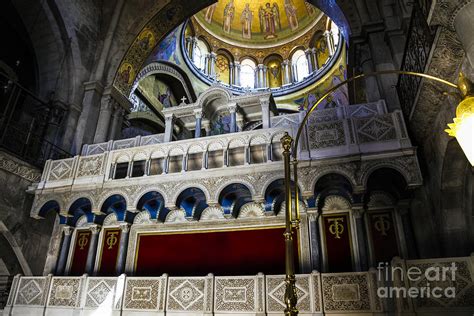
point(24, 123)
point(417, 50)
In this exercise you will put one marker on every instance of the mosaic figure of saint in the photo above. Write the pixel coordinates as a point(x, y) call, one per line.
point(269, 20)
point(290, 10)
point(210, 12)
point(246, 21)
point(229, 12)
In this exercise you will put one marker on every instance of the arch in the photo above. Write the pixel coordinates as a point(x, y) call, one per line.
point(274, 194)
point(299, 63)
point(165, 68)
point(213, 92)
point(81, 207)
point(316, 36)
point(387, 178)
point(115, 203)
point(247, 73)
point(195, 185)
point(340, 172)
point(192, 201)
point(15, 248)
point(215, 145)
point(295, 49)
point(151, 201)
point(243, 182)
point(233, 196)
point(51, 205)
point(226, 53)
point(332, 184)
point(122, 158)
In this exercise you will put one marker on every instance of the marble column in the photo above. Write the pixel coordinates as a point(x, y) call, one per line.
point(233, 117)
point(265, 104)
point(212, 65)
point(169, 122)
point(90, 263)
point(231, 73)
point(189, 47)
point(116, 125)
point(122, 253)
point(61, 265)
point(237, 73)
point(260, 75)
point(464, 26)
point(309, 60)
point(265, 83)
point(285, 65)
point(198, 116)
point(330, 42)
point(314, 56)
point(358, 213)
point(106, 108)
point(315, 241)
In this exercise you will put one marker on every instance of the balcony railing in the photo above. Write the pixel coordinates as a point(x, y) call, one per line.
point(24, 120)
point(417, 51)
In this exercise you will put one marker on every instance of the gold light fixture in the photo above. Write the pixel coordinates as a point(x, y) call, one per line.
point(462, 129)
point(463, 126)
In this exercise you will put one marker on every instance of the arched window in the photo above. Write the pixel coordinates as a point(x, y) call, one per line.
point(199, 54)
point(247, 73)
point(300, 65)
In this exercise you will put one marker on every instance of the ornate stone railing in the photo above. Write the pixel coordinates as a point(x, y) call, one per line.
point(318, 294)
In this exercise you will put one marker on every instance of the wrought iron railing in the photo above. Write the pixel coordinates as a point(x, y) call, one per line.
point(417, 50)
point(24, 123)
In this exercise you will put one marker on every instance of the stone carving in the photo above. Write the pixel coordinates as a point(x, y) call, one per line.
point(95, 149)
point(61, 169)
point(90, 166)
point(346, 292)
point(65, 292)
point(151, 139)
point(362, 110)
point(176, 216)
point(142, 218)
point(186, 294)
point(143, 293)
point(10, 164)
point(380, 199)
point(124, 143)
point(32, 291)
point(212, 213)
point(336, 203)
point(251, 209)
point(235, 294)
point(373, 129)
point(323, 135)
point(110, 220)
point(276, 293)
point(100, 290)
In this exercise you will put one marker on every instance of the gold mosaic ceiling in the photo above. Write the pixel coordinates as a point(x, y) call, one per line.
point(258, 22)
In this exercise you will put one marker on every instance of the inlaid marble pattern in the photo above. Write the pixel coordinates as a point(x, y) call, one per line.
point(275, 288)
point(65, 292)
point(346, 292)
point(186, 294)
point(100, 292)
point(143, 293)
point(32, 291)
point(236, 294)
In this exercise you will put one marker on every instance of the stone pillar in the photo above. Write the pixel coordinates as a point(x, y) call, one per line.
point(314, 56)
point(315, 242)
point(212, 65)
point(408, 242)
point(265, 104)
point(90, 263)
point(116, 125)
point(265, 83)
point(358, 213)
point(122, 253)
point(330, 42)
point(189, 47)
point(106, 108)
point(73, 114)
point(309, 60)
point(260, 75)
point(87, 123)
point(463, 23)
point(169, 122)
point(231, 73)
point(61, 265)
point(233, 117)
point(237, 73)
point(285, 72)
point(198, 116)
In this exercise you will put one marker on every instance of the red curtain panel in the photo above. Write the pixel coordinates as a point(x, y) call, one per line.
point(81, 248)
point(109, 252)
point(384, 236)
point(337, 234)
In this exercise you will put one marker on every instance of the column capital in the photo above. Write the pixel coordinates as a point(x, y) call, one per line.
point(169, 116)
point(67, 230)
point(198, 113)
point(358, 210)
point(285, 62)
point(124, 227)
point(260, 66)
point(232, 107)
point(264, 101)
point(94, 229)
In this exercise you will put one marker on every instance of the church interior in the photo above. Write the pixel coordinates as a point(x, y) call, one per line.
point(284, 157)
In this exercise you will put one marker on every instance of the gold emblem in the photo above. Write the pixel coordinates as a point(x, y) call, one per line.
point(382, 224)
point(83, 240)
point(111, 239)
point(336, 228)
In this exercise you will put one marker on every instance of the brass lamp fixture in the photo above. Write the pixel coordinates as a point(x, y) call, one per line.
point(462, 129)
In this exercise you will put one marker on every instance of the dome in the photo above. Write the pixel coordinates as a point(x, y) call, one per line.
point(257, 24)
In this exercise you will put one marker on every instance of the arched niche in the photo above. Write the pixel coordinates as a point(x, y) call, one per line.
point(117, 204)
point(153, 202)
point(233, 197)
point(79, 208)
point(274, 71)
point(192, 201)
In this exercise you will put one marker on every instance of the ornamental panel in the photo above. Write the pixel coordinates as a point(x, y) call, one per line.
point(90, 166)
point(32, 291)
point(346, 292)
point(61, 169)
point(188, 294)
point(275, 293)
point(236, 294)
point(65, 292)
point(101, 292)
point(144, 293)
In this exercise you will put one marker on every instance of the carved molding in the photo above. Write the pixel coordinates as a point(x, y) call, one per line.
point(19, 168)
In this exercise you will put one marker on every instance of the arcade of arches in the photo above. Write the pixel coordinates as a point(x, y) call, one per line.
point(141, 139)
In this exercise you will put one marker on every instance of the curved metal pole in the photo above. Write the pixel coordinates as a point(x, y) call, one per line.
point(370, 74)
point(292, 219)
